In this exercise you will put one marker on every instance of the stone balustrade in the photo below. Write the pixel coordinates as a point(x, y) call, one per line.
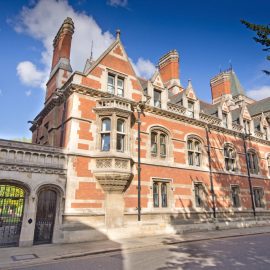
point(113, 103)
point(19, 156)
point(210, 119)
point(259, 134)
point(176, 109)
point(237, 127)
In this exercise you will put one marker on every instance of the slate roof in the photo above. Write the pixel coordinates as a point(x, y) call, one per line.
point(259, 106)
point(143, 82)
point(208, 108)
point(236, 87)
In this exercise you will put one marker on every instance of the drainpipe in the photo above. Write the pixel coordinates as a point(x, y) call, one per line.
point(139, 162)
point(207, 129)
point(249, 178)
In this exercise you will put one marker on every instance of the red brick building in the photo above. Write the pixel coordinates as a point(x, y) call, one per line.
point(202, 164)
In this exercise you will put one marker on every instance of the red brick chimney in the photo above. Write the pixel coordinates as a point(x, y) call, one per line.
point(61, 68)
point(169, 69)
point(220, 85)
point(62, 42)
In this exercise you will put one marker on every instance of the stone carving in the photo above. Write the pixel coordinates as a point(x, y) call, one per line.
point(176, 109)
point(121, 164)
point(104, 163)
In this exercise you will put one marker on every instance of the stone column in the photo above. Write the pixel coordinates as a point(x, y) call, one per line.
point(114, 209)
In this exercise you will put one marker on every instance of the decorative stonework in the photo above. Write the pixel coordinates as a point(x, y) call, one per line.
point(113, 174)
point(237, 127)
point(26, 157)
point(210, 119)
point(177, 108)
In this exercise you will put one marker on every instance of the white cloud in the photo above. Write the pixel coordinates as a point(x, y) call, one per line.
point(259, 93)
point(30, 75)
point(42, 22)
point(144, 68)
point(28, 93)
point(118, 3)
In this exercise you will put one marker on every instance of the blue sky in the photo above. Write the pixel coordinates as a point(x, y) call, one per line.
point(207, 34)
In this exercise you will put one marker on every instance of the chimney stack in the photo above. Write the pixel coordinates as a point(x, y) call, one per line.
point(62, 43)
point(169, 69)
point(61, 69)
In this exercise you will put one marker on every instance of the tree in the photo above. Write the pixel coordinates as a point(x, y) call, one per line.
point(263, 32)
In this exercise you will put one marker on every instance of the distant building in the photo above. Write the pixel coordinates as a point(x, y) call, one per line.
point(202, 165)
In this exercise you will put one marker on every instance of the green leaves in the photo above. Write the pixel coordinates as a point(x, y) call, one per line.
point(263, 32)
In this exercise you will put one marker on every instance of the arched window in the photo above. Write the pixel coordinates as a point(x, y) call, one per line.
point(230, 158)
point(158, 143)
point(253, 163)
point(106, 134)
point(194, 152)
point(120, 135)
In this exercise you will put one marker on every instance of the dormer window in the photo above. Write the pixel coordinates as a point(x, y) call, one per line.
point(225, 119)
point(115, 85)
point(246, 126)
point(157, 98)
point(190, 108)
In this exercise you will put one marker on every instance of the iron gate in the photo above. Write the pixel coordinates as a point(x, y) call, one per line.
point(11, 214)
point(45, 217)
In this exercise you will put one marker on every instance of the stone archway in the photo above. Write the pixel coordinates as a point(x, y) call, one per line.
point(12, 202)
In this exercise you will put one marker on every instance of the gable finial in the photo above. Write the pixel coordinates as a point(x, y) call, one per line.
point(230, 63)
point(91, 55)
point(118, 32)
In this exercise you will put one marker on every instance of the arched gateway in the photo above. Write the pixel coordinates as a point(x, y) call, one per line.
point(12, 200)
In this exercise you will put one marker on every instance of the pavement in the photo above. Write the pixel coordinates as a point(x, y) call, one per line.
point(26, 256)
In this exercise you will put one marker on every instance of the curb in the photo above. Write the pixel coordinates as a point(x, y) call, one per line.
point(44, 261)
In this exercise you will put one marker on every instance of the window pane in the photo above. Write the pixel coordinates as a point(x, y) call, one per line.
point(120, 87)
point(162, 145)
point(111, 84)
point(198, 195)
point(164, 195)
point(197, 146)
point(190, 145)
point(120, 125)
point(157, 98)
point(154, 143)
point(197, 159)
point(155, 195)
point(190, 158)
point(120, 142)
point(106, 125)
point(105, 142)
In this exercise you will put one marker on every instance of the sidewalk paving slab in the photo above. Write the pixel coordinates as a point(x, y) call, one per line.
point(13, 257)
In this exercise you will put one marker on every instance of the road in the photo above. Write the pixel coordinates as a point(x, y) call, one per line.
point(245, 252)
